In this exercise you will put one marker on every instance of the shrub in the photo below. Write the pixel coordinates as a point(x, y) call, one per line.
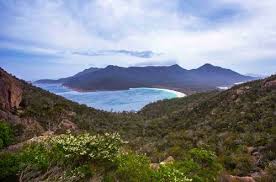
point(72, 153)
point(6, 134)
point(86, 146)
point(132, 168)
point(9, 164)
point(77, 173)
point(170, 173)
point(37, 156)
point(200, 165)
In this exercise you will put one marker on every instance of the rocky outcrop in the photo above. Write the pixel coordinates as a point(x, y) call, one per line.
point(167, 161)
point(10, 92)
point(67, 125)
point(230, 178)
point(270, 84)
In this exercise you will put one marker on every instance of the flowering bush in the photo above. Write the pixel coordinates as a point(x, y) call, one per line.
point(92, 147)
point(69, 157)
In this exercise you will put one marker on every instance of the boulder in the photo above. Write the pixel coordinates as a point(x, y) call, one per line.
point(169, 160)
point(67, 125)
point(270, 84)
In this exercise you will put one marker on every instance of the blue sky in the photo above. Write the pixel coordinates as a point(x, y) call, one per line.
point(57, 38)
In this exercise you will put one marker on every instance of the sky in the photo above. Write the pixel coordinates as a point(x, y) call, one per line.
point(58, 38)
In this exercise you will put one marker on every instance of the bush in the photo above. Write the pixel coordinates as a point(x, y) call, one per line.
point(37, 156)
point(78, 157)
point(86, 146)
point(6, 134)
point(135, 168)
point(73, 154)
point(132, 168)
point(200, 165)
point(170, 173)
point(9, 164)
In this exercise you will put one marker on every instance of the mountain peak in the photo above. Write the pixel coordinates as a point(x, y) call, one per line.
point(206, 66)
point(111, 67)
point(176, 66)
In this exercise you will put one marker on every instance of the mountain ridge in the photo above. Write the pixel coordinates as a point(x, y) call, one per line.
point(206, 77)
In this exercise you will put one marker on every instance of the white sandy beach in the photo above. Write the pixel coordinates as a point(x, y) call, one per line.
point(178, 94)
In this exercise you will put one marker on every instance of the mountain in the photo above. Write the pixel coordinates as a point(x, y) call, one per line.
point(217, 76)
point(206, 77)
point(204, 136)
point(64, 80)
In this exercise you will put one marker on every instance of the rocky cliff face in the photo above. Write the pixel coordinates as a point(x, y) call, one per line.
point(10, 92)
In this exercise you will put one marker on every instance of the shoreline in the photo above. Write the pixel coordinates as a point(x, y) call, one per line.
point(177, 93)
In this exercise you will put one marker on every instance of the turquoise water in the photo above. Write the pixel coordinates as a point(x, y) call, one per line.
point(117, 101)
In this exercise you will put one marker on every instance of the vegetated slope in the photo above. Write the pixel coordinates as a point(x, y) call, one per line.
point(39, 111)
point(205, 77)
point(170, 106)
point(239, 124)
point(52, 111)
point(79, 156)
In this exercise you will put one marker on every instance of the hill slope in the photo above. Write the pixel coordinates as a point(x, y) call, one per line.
point(237, 124)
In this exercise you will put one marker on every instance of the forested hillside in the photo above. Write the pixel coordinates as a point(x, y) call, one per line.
point(239, 124)
point(209, 135)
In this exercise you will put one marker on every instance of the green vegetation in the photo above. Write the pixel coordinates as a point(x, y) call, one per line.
point(68, 156)
point(6, 134)
point(71, 157)
point(130, 167)
point(207, 134)
point(9, 164)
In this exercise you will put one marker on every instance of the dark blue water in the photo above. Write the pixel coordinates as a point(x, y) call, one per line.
point(124, 100)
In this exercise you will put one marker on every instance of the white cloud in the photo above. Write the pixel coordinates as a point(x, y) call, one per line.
point(189, 38)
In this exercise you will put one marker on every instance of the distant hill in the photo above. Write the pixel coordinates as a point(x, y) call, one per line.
point(64, 80)
point(206, 77)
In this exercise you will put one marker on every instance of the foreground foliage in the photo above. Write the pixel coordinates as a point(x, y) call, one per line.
point(80, 157)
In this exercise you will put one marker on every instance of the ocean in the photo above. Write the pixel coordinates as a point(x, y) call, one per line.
point(133, 99)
